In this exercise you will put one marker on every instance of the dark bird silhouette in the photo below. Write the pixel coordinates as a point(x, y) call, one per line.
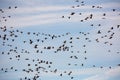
point(9, 7)
point(61, 74)
point(15, 7)
point(104, 14)
point(77, 1)
point(72, 13)
point(99, 32)
point(91, 16)
point(69, 17)
point(93, 65)
point(36, 46)
point(62, 16)
point(118, 64)
point(93, 6)
point(113, 10)
point(72, 77)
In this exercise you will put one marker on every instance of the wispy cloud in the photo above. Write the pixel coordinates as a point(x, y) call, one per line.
point(33, 16)
point(34, 20)
point(39, 9)
point(107, 75)
point(97, 73)
point(75, 72)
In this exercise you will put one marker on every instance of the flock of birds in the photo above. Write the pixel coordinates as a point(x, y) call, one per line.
point(9, 36)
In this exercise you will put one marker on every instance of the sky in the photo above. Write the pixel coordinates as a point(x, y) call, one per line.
point(44, 17)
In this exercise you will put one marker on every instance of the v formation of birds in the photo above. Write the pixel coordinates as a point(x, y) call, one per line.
point(38, 43)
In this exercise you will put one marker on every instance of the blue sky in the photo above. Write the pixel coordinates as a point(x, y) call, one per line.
point(45, 16)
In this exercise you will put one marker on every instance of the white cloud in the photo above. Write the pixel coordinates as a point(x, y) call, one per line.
point(107, 75)
point(113, 73)
point(39, 9)
point(33, 20)
point(75, 72)
point(36, 15)
point(36, 8)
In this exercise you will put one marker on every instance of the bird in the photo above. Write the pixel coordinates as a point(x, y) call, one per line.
point(61, 74)
point(72, 77)
point(77, 1)
point(62, 16)
point(93, 6)
point(15, 7)
point(104, 14)
point(118, 64)
point(118, 26)
point(69, 17)
point(109, 67)
point(99, 32)
point(72, 13)
point(91, 16)
point(70, 73)
point(85, 58)
point(93, 65)
point(101, 67)
point(82, 64)
point(113, 10)
point(9, 7)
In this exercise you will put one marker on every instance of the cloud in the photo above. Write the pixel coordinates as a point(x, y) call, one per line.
point(36, 9)
point(107, 75)
point(37, 15)
point(51, 8)
point(76, 72)
point(34, 20)
point(113, 73)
